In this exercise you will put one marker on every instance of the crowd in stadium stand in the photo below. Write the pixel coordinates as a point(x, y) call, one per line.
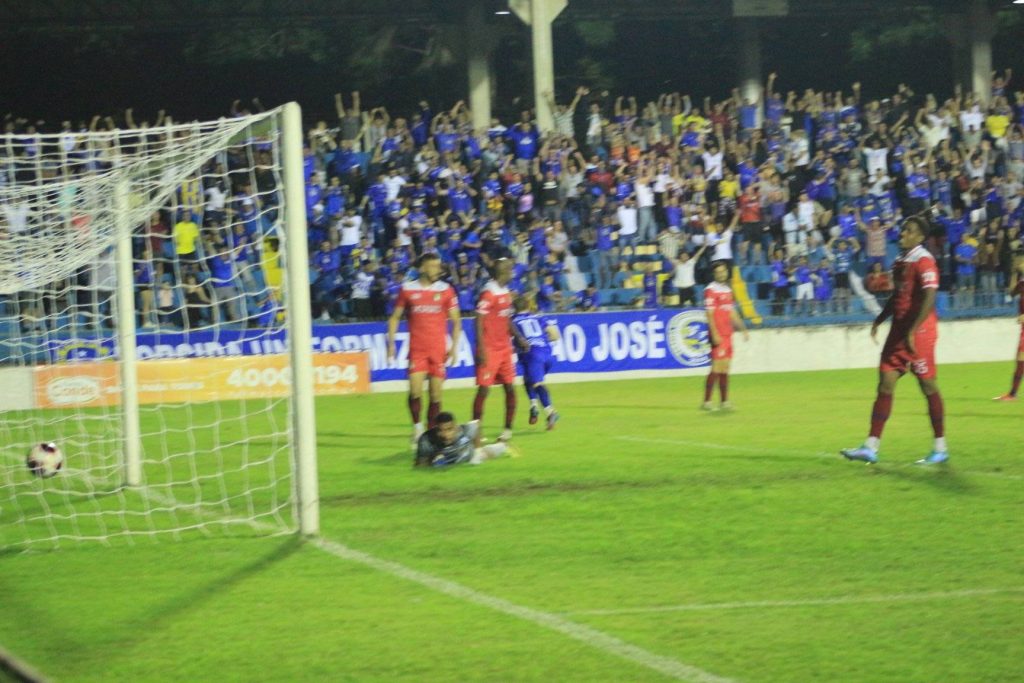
point(622, 204)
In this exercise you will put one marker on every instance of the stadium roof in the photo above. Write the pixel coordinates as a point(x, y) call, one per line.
point(18, 16)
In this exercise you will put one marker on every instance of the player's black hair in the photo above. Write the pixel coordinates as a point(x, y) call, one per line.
point(445, 417)
point(924, 226)
point(429, 256)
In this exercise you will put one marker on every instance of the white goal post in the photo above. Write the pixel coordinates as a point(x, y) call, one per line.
point(129, 259)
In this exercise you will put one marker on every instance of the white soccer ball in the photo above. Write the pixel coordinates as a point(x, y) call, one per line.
point(45, 460)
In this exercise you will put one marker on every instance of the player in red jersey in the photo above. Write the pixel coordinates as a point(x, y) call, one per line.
point(1017, 289)
point(494, 332)
point(722, 316)
point(429, 303)
point(911, 341)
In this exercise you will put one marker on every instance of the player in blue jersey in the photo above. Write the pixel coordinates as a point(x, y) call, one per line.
point(535, 359)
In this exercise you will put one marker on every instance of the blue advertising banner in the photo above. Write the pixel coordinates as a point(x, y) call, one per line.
point(590, 342)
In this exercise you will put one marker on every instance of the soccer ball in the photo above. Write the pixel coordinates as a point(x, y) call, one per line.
point(45, 460)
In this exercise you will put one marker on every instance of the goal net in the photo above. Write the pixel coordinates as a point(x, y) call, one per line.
point(154, 325)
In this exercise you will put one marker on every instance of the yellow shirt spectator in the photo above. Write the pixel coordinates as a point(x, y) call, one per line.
point(677, 124)
point(729, 189)
point(186, 233)
point(997, 124)
point(271, 263)
point(702, 123)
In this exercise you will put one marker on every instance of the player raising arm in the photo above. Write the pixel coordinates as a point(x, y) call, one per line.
point(449, 443)
point(911, 342)
point(428, 303)
point(1017, 289)
point(722, 316)
point(535, 338)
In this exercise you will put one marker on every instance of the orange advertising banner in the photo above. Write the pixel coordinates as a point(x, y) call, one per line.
point(193, 380)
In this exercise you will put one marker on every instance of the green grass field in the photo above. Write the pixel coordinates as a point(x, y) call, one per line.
point(704, 547)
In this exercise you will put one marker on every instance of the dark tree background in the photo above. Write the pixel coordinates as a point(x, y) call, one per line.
point(75, 73)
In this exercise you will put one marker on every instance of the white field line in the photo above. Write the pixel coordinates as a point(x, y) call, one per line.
point(768, 452)
point(591, 637)
point(814, 602)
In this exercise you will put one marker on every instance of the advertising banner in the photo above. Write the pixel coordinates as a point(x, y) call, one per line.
point(591, 342)
point(190, 380)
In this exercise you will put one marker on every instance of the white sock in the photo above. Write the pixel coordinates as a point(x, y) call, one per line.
point(488, 452)
point(534, 403)
point(940, 444)
point(418, 426)
point(873, 442)
point(550, 409)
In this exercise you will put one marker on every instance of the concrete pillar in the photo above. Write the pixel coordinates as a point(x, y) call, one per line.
point(539, 14)
point(478, 48)
point(981, 25)
point(751, 83)
point(971, 35)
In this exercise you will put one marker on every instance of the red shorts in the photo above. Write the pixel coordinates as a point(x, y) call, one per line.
point(896, 356)
point(499, 370)
point(724, 349)
point(428, 361)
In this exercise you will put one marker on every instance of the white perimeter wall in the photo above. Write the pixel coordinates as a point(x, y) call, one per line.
point(790, 349)
point(15, 389)
point(795, 349)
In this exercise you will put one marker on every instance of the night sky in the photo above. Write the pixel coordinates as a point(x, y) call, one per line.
point(54, 77)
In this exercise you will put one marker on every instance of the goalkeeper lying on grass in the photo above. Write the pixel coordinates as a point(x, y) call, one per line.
point(449, 443)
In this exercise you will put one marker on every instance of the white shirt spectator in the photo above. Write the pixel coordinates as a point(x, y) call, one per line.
point(593, 126)
point(627, 220)
point(17, 217)
point(972, 119)
point(805, 214)
point(790, 227)
point(563, 123)
point(102, 275)
point(402, 228)
point(351, 226)
point(661, 182)
point(68, 142)
point(877, 160)
point(644, 194)
point(394, 184)
point(215, 198)
point(558, 242)
point(362, 284)
point(712, 165)
point(799, 151)
point(877, 185)
point(684, 275)
point(723, 245)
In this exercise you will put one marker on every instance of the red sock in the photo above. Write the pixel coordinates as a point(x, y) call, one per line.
point(723, 386)
point(709, 386)
point(510, 405)
point(478, 403)
point(414, 408)
point(432, 413)
point(937, 413)
point(880, 413)
point(1017, 377)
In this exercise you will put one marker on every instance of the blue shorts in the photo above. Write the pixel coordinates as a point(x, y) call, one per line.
point(534, 367)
